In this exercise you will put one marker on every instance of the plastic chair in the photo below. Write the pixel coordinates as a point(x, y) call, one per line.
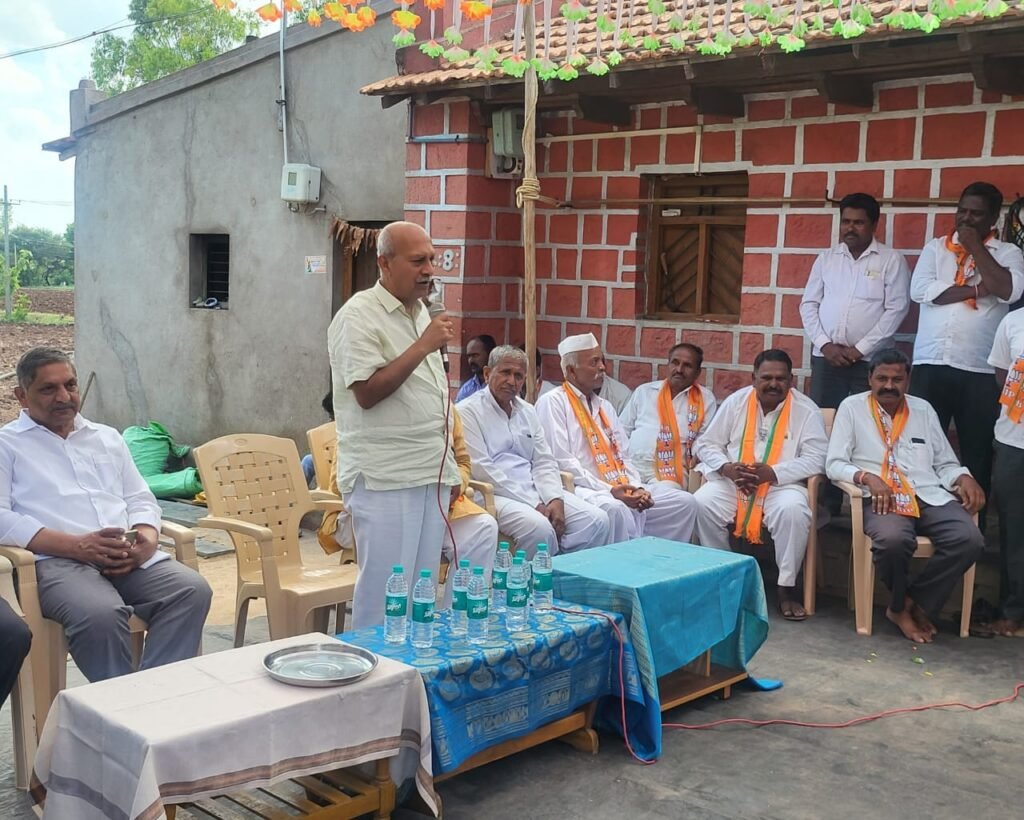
point(811, 563)
point(323, 446)
point(256, 492)
point(22, 699)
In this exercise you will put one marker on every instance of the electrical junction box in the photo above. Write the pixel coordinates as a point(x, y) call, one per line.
point(300, 183)
point(507, 133)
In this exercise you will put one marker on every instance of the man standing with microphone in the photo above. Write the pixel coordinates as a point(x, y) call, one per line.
point(395, 468)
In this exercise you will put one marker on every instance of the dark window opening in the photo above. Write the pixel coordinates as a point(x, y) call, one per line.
point(209, 270)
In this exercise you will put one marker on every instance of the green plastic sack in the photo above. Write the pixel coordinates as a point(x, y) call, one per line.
point(157, 456)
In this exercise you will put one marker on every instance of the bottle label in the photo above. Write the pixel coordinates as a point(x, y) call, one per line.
point(542, 581)
point(396, 605)
point(423, 611)
point(459, 599)
point(499, 578)
point(516, 597)
point(478, 609)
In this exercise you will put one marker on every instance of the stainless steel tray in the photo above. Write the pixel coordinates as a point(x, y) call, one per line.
point(320, 664)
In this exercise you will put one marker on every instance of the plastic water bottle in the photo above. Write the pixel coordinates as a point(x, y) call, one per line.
point(396, 606)
point(542, 594)
point(526, 571)
point(517, 596)
point(499, 577)
point(460, 587)
point(477, 598)
point(423, 596)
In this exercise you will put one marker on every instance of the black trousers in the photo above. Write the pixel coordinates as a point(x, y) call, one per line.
point(830, 384)
point(1006, 482)
point(971, 401)
point(15, 640)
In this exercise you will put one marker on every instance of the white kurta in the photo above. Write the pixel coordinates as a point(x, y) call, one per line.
point(787, 513)
point(674, 512)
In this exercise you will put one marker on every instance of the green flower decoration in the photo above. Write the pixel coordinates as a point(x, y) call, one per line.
point(677, 42)
point(597, 67)
point(819, 22)
point(995, 8)
point(709, 46)
point(757, 10)
point(546, 69)
point(766, 38)
point(432, 49)
point(627, 39)
point(456, 55)
point(695, 24)
point(486, 58)
point(775, 18)
point(574, 12)
point(515, 66)
point(860, 14)
point(615, 58)
point(453, 36)
point(656, 7)
point(746, 40)
point(567, 72)
point(651, 43)
point(676, 22)
point(403, 38)
point(605, 24)
point(800, 28)
point(929, 23)
point(577, 60)
point(847, 29)
point(791, 43)
point(726, 39)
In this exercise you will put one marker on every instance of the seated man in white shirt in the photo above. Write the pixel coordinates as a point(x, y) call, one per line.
point(508, 449)
point(892, 444)
point(664, 418)
point(762, 443)
point(69, 491)
point(588, 441)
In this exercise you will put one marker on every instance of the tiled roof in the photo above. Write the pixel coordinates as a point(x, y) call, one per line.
point(819, 17)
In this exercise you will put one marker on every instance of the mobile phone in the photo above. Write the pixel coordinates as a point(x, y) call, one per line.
point(130, 536)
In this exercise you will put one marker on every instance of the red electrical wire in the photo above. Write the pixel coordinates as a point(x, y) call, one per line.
point(440, 475)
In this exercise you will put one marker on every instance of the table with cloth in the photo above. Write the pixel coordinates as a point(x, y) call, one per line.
point(680, 601)
point(514, 684)
point(122, 748)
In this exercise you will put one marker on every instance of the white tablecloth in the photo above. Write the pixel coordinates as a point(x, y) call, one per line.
point(119, 749)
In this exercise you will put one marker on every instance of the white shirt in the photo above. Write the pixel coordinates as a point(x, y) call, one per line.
point(803, 448)
point(569, 444)
point(1008, 345)
point(859, 302)
point(922, 452)
point(615, 393)
point(642, 422)
point(955, 334)
point(398, 443)
point(74, 485)
point(510, 452)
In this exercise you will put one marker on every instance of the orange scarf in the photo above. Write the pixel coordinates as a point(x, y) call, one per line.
point(903, 491)
point(673, 457)
point(750, 508)
point(964, 264)
point(606, 454)
point(1012, 397)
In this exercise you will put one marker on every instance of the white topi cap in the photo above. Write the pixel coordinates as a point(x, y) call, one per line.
point(575, 344)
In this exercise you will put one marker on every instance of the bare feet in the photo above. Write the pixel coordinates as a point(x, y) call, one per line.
point(1005, 627)
point(908, 626)
point(922, 620)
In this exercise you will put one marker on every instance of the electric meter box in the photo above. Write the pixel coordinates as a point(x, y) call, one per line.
point(300, 183)
point(507, 133)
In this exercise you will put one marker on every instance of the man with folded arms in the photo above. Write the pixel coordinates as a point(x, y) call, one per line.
point(588, 441)
point(664, 418)
point(892, 444)
point(508, 449)
point(762, 443)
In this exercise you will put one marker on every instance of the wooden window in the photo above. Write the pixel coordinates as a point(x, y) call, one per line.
point(695, 248)
point(209, 267)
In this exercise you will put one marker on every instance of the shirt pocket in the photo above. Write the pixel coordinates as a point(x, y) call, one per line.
point(870, 286)
point(97, 472)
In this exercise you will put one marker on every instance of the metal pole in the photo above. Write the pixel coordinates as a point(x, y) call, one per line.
point(283, 102)
point(529, 205)
point(7, 255)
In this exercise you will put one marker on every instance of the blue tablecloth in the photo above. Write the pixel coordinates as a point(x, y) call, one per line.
point(679, 600)
point(483, 695)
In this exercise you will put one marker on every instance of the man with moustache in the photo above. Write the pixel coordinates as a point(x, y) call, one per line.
point(396, 468)
point(892, 445)
point(477, 351)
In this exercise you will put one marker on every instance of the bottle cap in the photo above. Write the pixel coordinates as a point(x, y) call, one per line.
point(424, 573)
point(542, 548)
point(518, 560)
point(504, 545)
point(397, 569)
point(478, 570)
point(463, 563)
point(520, 553)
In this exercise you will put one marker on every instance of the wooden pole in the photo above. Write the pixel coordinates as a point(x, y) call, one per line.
point(529, 203)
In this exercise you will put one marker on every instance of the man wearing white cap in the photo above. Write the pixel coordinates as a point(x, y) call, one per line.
point(588, 441)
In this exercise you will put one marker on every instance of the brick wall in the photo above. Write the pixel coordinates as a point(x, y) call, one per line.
point(922, 139)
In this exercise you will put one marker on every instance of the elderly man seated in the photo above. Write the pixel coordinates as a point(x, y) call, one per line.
point(508, 449)
point(70, 493)
point(893, 444)
point(763, 441)
point(588, 441)
point(664, 418)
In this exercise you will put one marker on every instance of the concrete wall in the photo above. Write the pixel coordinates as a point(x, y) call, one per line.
point(200, 152)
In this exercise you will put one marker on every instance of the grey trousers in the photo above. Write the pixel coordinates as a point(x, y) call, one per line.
point(958, 544)
point(94, 610)
point(15, 640)
point(1006, 481)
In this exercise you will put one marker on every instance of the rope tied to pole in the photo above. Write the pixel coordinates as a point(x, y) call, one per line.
point(529, 189)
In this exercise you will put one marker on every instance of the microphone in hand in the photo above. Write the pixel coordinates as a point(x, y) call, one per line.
point(435, 309)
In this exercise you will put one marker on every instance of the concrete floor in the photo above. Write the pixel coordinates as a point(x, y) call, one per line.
point(938, 764)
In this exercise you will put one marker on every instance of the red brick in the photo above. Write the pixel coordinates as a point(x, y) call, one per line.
point(718, 146)
point(461, 119)
point(831, 142)
point(681, 116)
point(757, 270)
point(488, 193)
point(624, 187)
point(808, 231)
point(909, 324)
point(597, 302)
point(644, 151)
point(481, 298)
point(718, 119)
point(583, 126)
point(843, 108)
point(625, 303)
point(611, 154)
point(953, 135)
point(750, 345)
point(769, 146)
point(474, 260)
point(620, 230)
point(512, 298)
point(767, 185)
point(793, 345)
point(427, 120)
point(911, 183)
point(1007, 178)
point(417, 217)
point(1007, 137)
point(583, 155)
point(621, 339)
point(891, 139)
point(565, 262)
point(423, 190)
point(791, 312)
point(909, 231)
point(988, 96)
point(679, 148)
point(455, 155)
point(558, 157)
point(728, 382)
point(448, 224)
point(593, 229)
point(599, 264)
point(944, 224)
point(809, 184)
point(633, 374)
point(897, 99)
point(554, 187)
point(554, 125)
point(656, 341)
point(805, 107)
point(649, 117)
point(761, 231)
point(865, 182)
point(793, 270)
point(549, 334)
point(586, 187)
point(943, 95)
point(882, 228)
point(563, 229)
point(413, 156)
point(576, 328)
point(545, 263)
point(506, 262)
point(563, 300)
point(509, 228)
point(717, 344)
point(758, 110)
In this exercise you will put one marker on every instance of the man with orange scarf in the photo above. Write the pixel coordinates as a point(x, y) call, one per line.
point(763, 441)
point(965, 282)
point(893, 445)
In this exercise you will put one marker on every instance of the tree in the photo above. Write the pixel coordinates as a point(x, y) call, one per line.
point(51, 259)
point(170, 35)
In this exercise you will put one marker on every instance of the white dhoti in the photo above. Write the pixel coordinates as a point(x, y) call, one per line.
point(392, 527)
point(476, 539)
point(787, 517)
point(585, 525)
point(673, 515)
